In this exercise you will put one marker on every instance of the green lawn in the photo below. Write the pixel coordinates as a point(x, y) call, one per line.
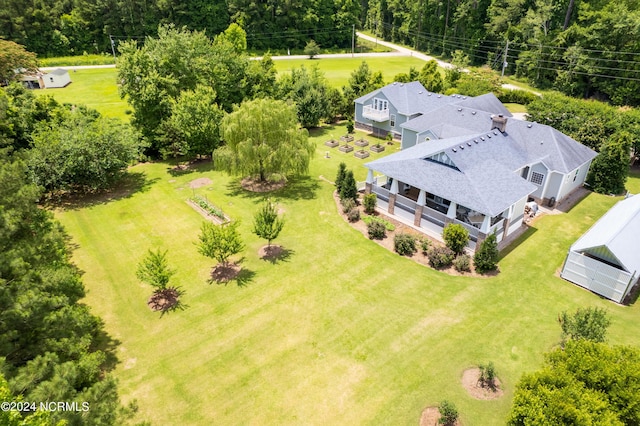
point(95, 88)
point(340, 331)
point(338, 70)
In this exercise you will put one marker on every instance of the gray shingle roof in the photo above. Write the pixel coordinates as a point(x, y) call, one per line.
point(409, 98)
point(619, 231)
point(485, 180)
point(59, 71)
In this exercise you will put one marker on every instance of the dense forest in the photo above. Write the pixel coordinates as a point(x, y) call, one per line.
point(585, 48)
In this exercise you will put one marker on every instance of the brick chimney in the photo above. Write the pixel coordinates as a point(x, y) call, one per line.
point(499, 122)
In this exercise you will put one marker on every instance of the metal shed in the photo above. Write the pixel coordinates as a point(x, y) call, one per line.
point(605, 259)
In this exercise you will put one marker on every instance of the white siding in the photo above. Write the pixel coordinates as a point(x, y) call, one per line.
point(598, 277)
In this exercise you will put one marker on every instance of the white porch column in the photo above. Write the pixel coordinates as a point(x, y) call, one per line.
point(486, 224)
point(369, 182)
point(452, 210)
point(370, 176)
point(422, 197)
point(547, 178)
point(394, 186)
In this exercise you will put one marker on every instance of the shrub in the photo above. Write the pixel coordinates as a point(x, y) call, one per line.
point(404, 244)
point(370, 201)
point(440, 257)
point(585, 324)
point(347, 205)
point(342, 171)
point(486, 258)
point(448, 413)
point(349, 126)
point(353, 215)
point(376, 230)
point(388, 225)
point(348, 189)
point(462, 263)
point(455, 237)
point(517, 96)
point(487, 375)
point(425, 245)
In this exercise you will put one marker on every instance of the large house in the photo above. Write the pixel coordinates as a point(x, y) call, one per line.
point(465, 160)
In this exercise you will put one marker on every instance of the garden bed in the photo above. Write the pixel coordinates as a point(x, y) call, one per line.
point(346, 138)
point(361, 154)
point(208, 210)
point(346, 148)
point(377, 148)
point(332, 143)
point(361, 142)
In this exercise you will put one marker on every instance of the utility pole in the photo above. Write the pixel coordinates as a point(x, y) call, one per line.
point(113, 47)
point(353, 40)
point(504, 60)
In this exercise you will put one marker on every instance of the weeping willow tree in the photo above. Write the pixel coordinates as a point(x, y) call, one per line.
point(263, 139)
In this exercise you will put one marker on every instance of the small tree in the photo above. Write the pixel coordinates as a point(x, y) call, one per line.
point(220, 242)
point(311, 49)
point(448, 413)
point(342, 172)
point(585, 324)
point(266, 223)
point(455, 237)
point(348, 189)
point(487, 375)
point(350, 126)
point(486, 258)
point(370, 201)
point(154, 270)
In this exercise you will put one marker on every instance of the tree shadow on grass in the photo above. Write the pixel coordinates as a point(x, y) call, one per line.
point(297, 188)
point(130, 184)
point(108, 345)
point(224, 274)
point(275, 254)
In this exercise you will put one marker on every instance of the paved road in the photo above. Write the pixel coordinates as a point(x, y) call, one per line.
point(404, 50)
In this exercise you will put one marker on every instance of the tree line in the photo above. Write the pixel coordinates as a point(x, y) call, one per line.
point(583, 48)
point(63, 27)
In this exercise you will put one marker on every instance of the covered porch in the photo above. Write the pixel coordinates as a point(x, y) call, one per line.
point(431, 213)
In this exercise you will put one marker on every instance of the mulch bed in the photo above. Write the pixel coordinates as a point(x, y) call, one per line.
point(163, 300)
point(401, 228)
point(471, 383)
point(222, 274)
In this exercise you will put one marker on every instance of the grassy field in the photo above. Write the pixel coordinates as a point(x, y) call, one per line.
point(340, 331)
point(97, 88)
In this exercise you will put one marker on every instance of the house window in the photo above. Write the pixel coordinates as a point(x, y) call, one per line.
point(537, 178)
point(392, 121)
point(380, 104)
point(51, 79)
point(525, 172)
point(576, 175)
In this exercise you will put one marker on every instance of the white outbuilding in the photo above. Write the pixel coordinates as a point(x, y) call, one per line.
point(56, 78)
point(606, 259)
